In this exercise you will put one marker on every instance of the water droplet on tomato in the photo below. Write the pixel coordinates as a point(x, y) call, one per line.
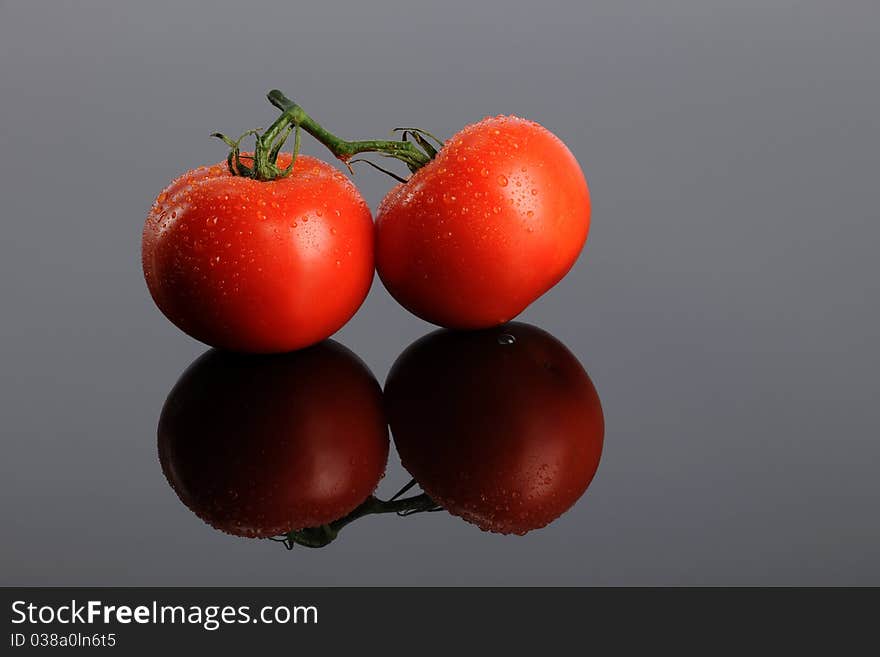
point(332, 231)
point(506, 338)
point(502, 180)
point(534, 192)
point(496, 209)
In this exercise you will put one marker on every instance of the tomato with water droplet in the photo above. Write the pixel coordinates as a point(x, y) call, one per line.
point(518, 206)
point(226, 260)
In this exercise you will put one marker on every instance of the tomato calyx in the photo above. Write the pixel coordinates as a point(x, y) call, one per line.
point(420, 137)
point(267, 146)
point(323, 535)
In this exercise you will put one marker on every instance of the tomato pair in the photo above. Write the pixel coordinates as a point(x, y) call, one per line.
point(272, 252)
point(501, 427)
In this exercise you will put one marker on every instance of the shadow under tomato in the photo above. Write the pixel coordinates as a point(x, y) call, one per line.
point(259, 446)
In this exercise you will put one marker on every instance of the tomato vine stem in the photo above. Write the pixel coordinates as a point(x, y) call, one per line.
point(415, 154)
point(405, 151)
point(325, 534)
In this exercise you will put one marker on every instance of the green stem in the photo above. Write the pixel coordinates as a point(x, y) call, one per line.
point(293, 117)
point(325, 534)
point(404, 151)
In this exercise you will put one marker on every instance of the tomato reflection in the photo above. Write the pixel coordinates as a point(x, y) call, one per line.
point(501, 427)
point(258, 446)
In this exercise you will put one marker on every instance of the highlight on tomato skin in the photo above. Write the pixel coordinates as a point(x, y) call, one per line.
point(257, 446)
point(502, 427)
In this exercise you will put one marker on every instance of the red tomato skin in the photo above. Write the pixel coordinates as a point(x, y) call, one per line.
point(505, 436)
point(259, 267)
point(491, 224)
point(257, 446)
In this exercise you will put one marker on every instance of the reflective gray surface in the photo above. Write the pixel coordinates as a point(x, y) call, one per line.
point(725, 306)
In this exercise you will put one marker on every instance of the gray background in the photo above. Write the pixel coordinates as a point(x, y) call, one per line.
point(725, 306)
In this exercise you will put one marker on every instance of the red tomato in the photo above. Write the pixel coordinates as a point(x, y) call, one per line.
point(259, 266)
point(488, 226)
point(260, 445)
point(501, 427)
